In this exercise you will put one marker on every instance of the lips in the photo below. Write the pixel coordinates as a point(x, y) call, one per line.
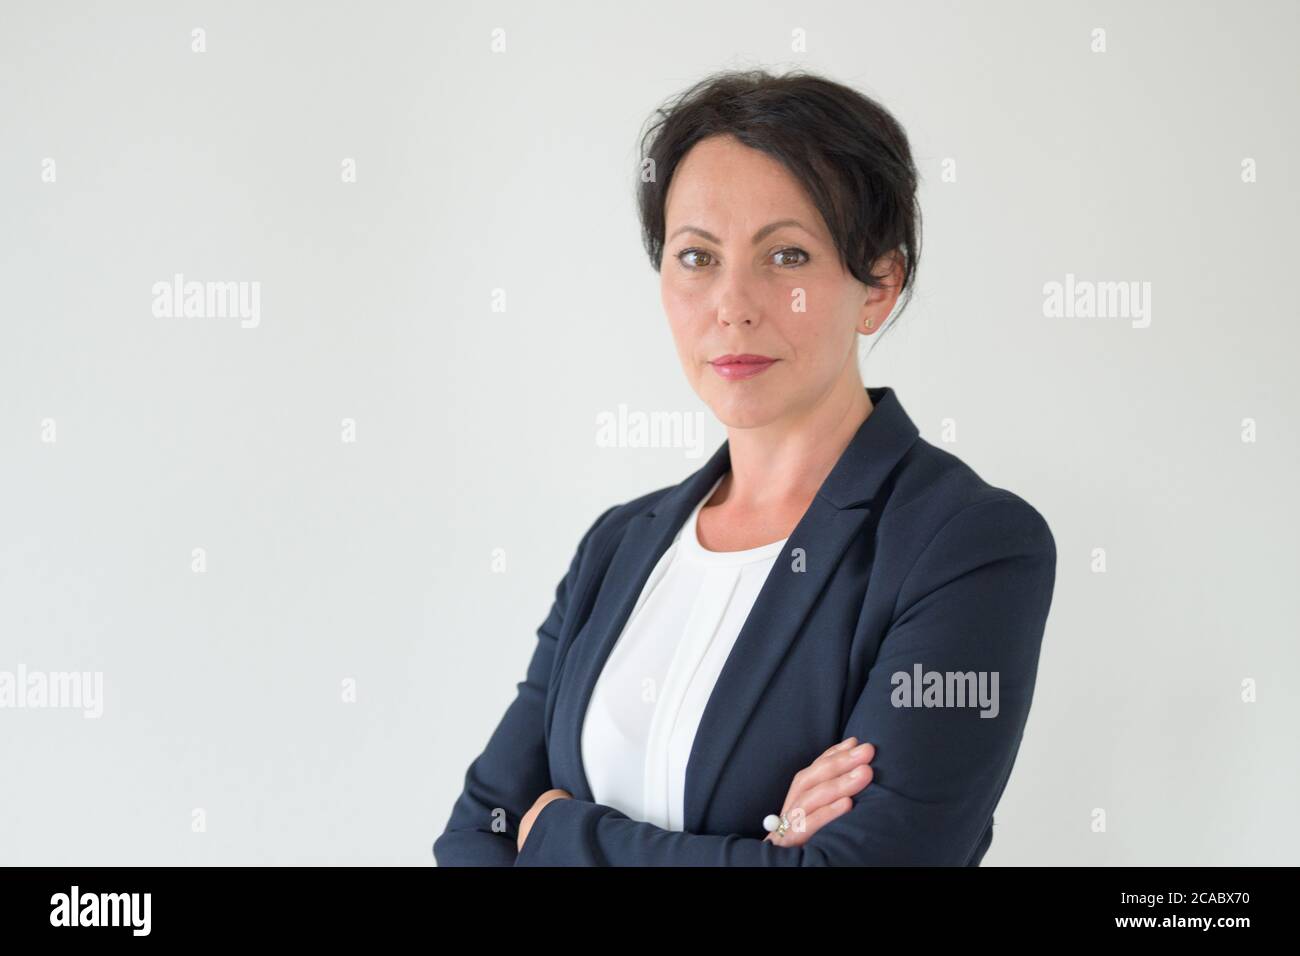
point(734, 367)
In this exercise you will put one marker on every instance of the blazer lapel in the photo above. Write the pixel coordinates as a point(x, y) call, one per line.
point(784, 601)
point(837, 513)
point(645, 539)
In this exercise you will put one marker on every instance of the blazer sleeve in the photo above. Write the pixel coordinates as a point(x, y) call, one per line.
point(513, 770)
point(976, 599)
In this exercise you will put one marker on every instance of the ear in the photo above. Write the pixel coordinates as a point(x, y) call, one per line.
point(878, 302)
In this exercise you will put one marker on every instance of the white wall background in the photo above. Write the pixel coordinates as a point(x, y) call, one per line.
point(477, 170)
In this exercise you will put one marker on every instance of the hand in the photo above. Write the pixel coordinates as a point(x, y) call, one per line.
point(526, 823)
point(824, 790)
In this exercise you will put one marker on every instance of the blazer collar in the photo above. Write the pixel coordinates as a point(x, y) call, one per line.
point(876, 447)
point(837, 513)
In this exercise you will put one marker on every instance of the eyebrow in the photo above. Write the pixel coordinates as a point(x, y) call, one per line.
point(758, 236)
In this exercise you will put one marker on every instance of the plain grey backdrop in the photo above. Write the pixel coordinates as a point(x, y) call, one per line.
point(366, 606)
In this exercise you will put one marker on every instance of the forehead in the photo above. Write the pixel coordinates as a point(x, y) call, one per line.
point(721, 177)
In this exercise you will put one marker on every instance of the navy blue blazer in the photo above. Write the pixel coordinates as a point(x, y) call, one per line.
point(905, 559)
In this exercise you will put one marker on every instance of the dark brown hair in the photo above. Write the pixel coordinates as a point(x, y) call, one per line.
point(846, 149)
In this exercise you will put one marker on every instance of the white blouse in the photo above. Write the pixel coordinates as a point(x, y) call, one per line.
point(650, 695)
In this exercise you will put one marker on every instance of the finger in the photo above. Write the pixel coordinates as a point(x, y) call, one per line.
point(845, 785)
point(844, 761)
point(828, 791)
point(814, 822)
point(842, 745)
point(828, 767)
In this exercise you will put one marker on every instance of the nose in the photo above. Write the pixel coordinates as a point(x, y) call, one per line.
point(737, 304)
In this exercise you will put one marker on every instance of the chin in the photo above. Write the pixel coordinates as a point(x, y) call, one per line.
point(743, 407)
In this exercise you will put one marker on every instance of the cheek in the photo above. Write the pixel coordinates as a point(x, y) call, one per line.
point(819, 334)
point(679, 303)
point(682, 312)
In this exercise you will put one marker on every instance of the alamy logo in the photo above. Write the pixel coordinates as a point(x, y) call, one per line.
point(102, 909)
point(72, 690)
point(179, 299)
point(1085, 299)
point(946, 689)
point(631, 429)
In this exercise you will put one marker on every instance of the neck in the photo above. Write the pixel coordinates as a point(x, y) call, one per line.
point(788, 459)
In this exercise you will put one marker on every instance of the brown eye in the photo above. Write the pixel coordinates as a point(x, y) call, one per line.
point(792, 250)
point(693, 252)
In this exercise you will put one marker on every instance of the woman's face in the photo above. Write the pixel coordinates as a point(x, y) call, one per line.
point(749, 268)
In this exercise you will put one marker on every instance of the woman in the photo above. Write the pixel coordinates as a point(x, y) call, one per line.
point(820, 648)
